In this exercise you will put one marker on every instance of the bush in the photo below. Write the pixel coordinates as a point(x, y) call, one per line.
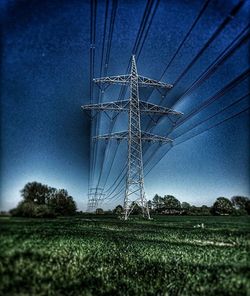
point(239, 212)
point(25, 209)
point(32, 210)
point(43, 211)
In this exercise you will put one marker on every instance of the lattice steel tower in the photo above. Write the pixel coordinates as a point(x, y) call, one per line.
point(94, 196)
point(134, 193)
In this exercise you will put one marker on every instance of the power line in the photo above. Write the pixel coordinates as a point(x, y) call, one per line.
point(224, 55)
point(217, 32)
point(91, 62)
point(213, 98)
point(213, 126)
point(107, 56)
point(119, 183)
point(110, 34)
point(218, 95)
point(138, 52)
point(111, 166)
point(206, 74)
point(117, 178)
point(97, 124)
point(204, 7)
point(104, 35)
point(215, 114)
point(135, 48)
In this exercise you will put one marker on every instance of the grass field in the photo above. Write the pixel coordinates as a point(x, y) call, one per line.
point(105, 256)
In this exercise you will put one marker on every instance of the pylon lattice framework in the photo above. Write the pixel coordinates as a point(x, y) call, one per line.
point(134, 193)
point(94, 196)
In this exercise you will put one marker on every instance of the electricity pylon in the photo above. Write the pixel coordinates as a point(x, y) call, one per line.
point(134, 193)
point(94, 196)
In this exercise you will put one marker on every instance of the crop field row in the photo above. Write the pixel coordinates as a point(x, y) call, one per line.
point(98, 255)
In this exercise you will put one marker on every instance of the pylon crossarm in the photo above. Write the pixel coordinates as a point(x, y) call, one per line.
point(120, 79)
point(148, 82)
point(115, 136)
point(109, 106)
point(150, 108)
point(154, 138)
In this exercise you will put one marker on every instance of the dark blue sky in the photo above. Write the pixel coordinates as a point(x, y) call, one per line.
point(45, 78)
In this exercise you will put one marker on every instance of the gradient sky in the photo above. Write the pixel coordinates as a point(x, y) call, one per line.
point(45, 78)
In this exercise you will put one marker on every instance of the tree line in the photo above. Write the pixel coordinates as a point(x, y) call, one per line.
point(39, 200)
point(170, 205)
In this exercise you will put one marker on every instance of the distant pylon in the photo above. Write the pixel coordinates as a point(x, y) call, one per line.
point(134, 193)
point(94, 196)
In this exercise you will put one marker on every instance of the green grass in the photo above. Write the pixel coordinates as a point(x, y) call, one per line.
point(104, 256)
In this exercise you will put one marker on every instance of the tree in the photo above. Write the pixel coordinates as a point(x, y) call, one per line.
point(222, 206)
point(37, 192)
point(150, 205)
point(62, 203)
point(40, 200)
point(240, 202)
point(171, 202)
point(136, 209)
point(185, 205)
point(157, 202)
point(248, 207)
point(43, 211)
point(118, 210)
point(205, 210)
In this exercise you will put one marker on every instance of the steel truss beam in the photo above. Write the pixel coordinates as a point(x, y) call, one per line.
point(147, 137)
point(126, 79)
point(123, 106)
